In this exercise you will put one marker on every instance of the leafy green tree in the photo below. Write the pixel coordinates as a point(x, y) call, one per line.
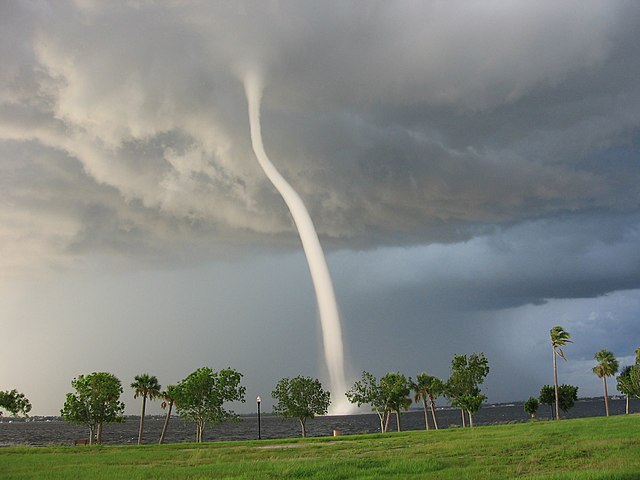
point(427, 388)
point(168, 400)
point(568, 396)
point(395, 389)
point(629, 380)
point(623, 385)
point(607, 367)
point(634, 378)
point(463, 386)
point(367, 391)
point(634, 374)
point(531, 406)
point(302, 398)
point(147, 387)
point(200, 397)
point(629, 383)
point(548, 397)
point(96, 401)
point(15, 403)
point(559, 338)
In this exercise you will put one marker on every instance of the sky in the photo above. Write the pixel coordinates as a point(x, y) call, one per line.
point(472, 169)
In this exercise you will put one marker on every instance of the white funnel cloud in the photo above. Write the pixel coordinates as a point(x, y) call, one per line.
point(327, 305)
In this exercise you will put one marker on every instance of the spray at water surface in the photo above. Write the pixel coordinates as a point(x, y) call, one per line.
point(327, 305)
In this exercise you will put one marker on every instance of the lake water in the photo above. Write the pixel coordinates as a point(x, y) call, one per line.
point(57, 432)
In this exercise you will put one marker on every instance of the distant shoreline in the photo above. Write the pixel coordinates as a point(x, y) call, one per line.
point(444, 408)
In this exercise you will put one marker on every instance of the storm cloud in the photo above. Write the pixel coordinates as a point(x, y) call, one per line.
point(468, 165)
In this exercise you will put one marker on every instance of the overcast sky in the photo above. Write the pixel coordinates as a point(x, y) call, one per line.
point(472, 168)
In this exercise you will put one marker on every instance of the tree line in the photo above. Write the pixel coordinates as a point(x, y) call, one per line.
point(202, 395)
point(563, 397)
point(200, 398)
point(391, 394)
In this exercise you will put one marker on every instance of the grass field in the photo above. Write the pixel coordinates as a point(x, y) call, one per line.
point(593, 448)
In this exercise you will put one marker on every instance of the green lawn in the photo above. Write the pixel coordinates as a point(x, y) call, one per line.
point(594, 448)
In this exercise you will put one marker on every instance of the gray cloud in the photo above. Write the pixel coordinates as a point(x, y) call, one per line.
point(393, 120)
point(582, 257)
point(468, 162)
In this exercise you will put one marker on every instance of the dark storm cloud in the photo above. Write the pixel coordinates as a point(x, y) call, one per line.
point(397, 122)
point(472, 167)
point(568, 257)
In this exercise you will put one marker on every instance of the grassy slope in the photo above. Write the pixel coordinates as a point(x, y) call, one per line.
point(594, 448)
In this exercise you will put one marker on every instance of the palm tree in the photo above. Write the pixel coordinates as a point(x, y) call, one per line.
point(427, 387)
point(421, 389)
point(624, 385)
point(607, 367)
point(147, 387)
point(169, 400)
point(559, 338)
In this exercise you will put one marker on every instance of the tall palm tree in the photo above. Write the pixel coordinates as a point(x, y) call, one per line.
point(421, 389)
point(607, 367)
point(168, 400)
point(147, 387)
point(427, 387)
point(559, 338)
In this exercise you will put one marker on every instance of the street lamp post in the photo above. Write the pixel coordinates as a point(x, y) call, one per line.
point(258, 400)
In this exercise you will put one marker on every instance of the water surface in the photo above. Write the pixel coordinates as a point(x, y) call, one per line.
point(39, 432)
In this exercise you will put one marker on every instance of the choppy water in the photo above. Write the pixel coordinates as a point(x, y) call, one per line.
point(58, 432)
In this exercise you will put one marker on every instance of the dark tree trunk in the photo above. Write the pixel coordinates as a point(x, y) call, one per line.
point(144, 405)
